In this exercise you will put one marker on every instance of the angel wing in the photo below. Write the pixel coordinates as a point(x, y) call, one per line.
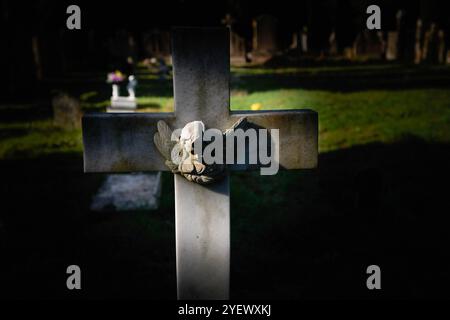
point(164, 144)
point(183, 161)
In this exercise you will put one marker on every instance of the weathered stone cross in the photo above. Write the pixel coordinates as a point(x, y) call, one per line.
point(124, 143)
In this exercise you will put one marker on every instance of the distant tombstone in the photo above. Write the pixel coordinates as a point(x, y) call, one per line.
point(304, 39)
point(448, 56)
point(66, 111)
point(369, 44)
point(382, 42)
point(441, 47)
point(156, 43)
point(332, 43)
point(237, 47)
point(237, 43)
point(294, 43)
point(120, 103)
point(392, 46)
point(127, 192)
point(430, 45)
point(418, 42)
point(348, 53)
point(265, 36)
point(401, 35)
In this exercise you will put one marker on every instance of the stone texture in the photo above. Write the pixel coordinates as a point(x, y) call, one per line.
point(66, 111)
point(124, 143)
point(125, 192)
point(202, 239)
point(202, 213)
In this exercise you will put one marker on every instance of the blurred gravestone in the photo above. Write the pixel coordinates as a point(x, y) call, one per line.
point(294, 42)
point(369, 44)
point(402, 35)
point(392, 46)
point(333, 49)
point(430, 45)
point(124, 192)
point(156, 43)
point(441, 47)
point(265, 43)
point(66, 111)
point(124, 104)
point(304, 39)
point(418, 42)
point(237, 43)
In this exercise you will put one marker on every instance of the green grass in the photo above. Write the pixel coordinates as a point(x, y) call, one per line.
point(355, 118)
point(346, 118)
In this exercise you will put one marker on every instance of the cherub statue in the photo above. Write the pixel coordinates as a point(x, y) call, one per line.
point(179, 152)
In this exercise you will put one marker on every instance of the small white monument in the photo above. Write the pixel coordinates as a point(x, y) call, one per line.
point(119, 103)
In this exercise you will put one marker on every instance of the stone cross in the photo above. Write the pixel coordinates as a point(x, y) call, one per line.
point(124, 143)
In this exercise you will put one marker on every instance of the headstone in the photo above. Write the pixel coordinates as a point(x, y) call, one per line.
point(369, 45)
point(66, 111)
point(156, 43)
point(441, 47)
point(430, 45)
point(125, 192)
point(237, 43)
point(124, 143)
point(294, 43)
point(392, 42)
point(418, 42)
point(304, 39)
point(348, 53)
point(332, 44)
point(401, 35)
point(120, 103)
point(265, 36)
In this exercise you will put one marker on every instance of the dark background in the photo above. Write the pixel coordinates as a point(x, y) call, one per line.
point(21, 20)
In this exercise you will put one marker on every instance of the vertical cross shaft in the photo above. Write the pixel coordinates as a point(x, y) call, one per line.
point(202, 213)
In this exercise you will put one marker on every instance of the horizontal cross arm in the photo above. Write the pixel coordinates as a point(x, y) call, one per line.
point(298, 134)
point(122, 142)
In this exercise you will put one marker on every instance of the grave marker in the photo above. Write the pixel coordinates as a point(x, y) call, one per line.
point(124, 143)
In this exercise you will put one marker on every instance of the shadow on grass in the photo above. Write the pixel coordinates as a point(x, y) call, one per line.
point(313, 235)
point(294, 235)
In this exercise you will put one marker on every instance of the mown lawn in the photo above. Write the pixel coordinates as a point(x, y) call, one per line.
point(347, 118)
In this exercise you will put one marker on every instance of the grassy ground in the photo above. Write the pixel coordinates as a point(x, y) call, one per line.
point(347, 117)
point(376, 197)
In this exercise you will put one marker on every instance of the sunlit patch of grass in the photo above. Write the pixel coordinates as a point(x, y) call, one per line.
point(155, 104)
point(38, 139)
point(347, 119)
